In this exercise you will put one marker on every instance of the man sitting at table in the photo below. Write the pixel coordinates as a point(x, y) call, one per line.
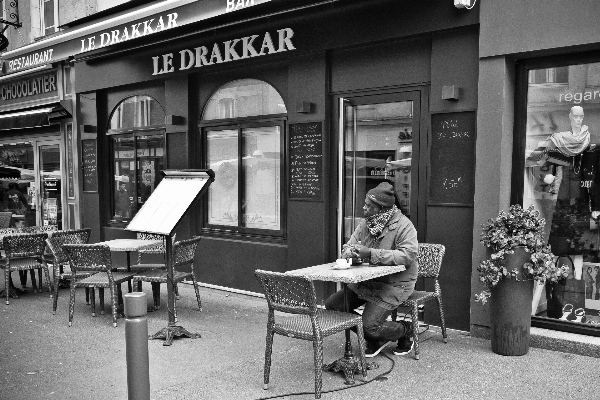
point(385, 237)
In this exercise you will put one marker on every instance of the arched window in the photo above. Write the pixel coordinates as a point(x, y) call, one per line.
point(246, 152)
point(244, 98)
point(137, 141)
point(137, 112)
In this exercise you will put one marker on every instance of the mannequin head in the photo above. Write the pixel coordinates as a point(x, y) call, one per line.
point(576, 118)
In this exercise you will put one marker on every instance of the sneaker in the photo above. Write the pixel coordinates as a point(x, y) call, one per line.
point(405, 346)
point(374, 347)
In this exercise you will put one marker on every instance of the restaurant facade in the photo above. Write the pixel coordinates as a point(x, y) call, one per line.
point(300, 107)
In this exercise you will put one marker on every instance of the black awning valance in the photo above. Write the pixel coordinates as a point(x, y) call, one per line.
point(35, 117)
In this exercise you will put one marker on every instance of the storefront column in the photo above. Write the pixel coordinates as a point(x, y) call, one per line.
point(495, 121)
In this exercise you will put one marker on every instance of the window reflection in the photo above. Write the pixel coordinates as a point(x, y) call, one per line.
point(244, 98)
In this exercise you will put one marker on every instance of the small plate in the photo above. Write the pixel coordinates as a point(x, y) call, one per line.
point(341, 266)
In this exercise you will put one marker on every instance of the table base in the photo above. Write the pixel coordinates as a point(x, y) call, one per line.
point(172, 331)
point(350, 366)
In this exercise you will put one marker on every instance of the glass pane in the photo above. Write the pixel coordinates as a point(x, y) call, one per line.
point(17, 183)
point(261, 163)
point(222, 156)
point(136, 112)
point(51, 185)
point(378, 147)
point(244, 98)
point(124, 161)
point(150, 151)
point(562, 157)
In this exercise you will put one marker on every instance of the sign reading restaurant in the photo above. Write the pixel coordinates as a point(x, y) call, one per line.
point(74, 43)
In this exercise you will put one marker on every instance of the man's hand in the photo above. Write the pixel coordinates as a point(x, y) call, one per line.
point(362, 251)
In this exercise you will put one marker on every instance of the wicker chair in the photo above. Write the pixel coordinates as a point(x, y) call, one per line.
point(158, 249)
point(184, 252)
point(430, 262)
point(49, 229)
point(95, 258)
point(25, 251)
point(5, 217)
point(296, 295)
point(60, 259)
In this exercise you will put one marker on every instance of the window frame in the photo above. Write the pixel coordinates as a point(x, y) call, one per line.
point(43, 26)
point(239, 124)
point(522, 68)
point(131, 133)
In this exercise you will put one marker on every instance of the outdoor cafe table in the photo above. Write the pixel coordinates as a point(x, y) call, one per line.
point(129, 245)
point(355, 274)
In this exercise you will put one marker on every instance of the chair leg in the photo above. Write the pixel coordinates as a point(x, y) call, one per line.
point(268, 352)
point(72, 301)
point(197, 292)
point(101, 297)
point(318, 349)
point(23, 278)
point(361, 348)
point(414, 316)
point(444, 334)
point(39, 270)
point(55, 295)
point(7, 283)
point(47, 273)
point(93, 290)
point(156, 294)
point(33, 280)
point(113, 303)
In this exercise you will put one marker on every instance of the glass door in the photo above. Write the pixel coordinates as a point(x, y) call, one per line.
point(50, 185)
point(378, 142)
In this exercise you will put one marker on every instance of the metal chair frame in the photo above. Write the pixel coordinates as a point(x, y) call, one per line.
point(296, 295)
point(95, 258)
point(430, 259)
point(59, 258)
point(184, 252)
point(25, 251)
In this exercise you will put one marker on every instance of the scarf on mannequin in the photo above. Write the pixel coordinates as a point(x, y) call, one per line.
point(376, 223)
point(570, 144)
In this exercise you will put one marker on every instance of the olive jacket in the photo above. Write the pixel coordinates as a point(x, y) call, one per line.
point(396, 245)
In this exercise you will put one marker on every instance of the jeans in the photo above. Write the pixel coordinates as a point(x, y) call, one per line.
point(374, 317)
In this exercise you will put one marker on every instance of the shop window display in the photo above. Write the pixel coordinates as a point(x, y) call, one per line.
point(247, 158)
point(561, 179)
point(138, 155)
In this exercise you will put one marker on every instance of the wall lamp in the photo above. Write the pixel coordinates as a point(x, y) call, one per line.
point(464, 4)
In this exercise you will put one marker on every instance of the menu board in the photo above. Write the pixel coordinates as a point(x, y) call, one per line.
point(452, 161)
point(306, 161)
point(89, 165)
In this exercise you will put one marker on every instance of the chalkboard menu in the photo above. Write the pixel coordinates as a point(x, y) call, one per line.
point(89, 165)
point(306, 161)
point(452, 155)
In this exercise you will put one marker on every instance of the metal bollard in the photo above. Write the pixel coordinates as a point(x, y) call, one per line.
point(136, 346)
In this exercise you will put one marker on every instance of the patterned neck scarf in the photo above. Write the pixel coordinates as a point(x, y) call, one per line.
point(377, 222)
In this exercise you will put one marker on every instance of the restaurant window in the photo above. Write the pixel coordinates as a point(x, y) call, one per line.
point(17, 183)
point(243, 130)
point(561, 179)
point(49, 16)
point(137, 151)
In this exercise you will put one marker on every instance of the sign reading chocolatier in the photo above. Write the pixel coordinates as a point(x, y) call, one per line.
point(306, 161)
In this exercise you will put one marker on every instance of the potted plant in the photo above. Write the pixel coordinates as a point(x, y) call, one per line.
point(518, 257)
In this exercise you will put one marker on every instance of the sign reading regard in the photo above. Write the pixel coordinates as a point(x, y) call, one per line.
point(230, 50)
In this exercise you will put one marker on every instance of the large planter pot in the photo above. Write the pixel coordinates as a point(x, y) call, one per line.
point(510, 309)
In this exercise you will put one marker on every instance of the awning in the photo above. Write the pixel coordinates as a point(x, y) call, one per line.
point(35, 117)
